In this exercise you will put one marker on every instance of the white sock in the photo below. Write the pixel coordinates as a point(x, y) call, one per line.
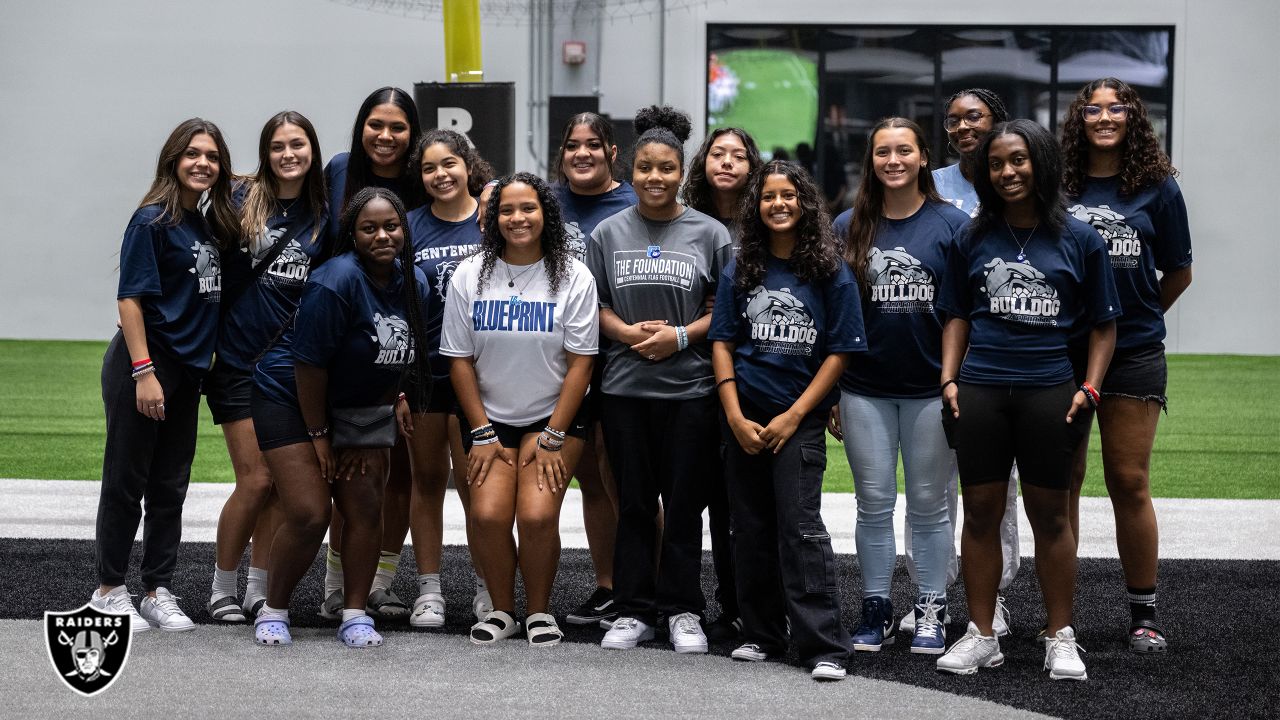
point(269, 613)
point(332, 572)
point(224, 582)
point(257, 586)
point(388, 564)
point(429, 584)
point(349, 613)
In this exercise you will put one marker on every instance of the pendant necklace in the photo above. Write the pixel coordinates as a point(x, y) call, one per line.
point(285, 210)
point(655, 245)
point(511, 280)
point(1022, 253)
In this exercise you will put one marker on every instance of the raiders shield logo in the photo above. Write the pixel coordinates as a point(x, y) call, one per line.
point(88, 647)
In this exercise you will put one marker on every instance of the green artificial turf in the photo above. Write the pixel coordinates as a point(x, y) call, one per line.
point(777, 97)
point(1221, 438)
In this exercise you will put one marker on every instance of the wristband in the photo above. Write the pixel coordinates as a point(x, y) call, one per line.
point(319, 433)
point(682, 337)
point(140, 363)
point(144, 370)
point(545, 446)
point(733, 380)
point(553, 432)
point(1091, 394)
point(952, 381)
point(486, 441)
point(403, 398)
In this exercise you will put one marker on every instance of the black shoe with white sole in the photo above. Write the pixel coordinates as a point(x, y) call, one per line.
point(596, 608)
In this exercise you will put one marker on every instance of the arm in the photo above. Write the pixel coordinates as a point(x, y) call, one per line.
point(745, 431)
point(662, 341)
point(782, 427)
point(576, 379)
point(462, 372)
point(1172, 285)
point(149, 396)
point(313, 401)
point(1102, 343)
point(955, 342)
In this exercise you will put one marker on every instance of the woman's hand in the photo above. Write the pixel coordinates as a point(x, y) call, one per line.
point(661, 344)
point(747, 433)
point(951, 399)
point(551, 469)
point(481, 458)
point(324, 456)
point(635, 333)
point(833, 423)
point(353, 462)
point(779, 430)
point(150, 396)
point(404, 418)
point(1078, 402)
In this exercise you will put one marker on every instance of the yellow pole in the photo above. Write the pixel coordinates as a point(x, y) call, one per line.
point(462, 62)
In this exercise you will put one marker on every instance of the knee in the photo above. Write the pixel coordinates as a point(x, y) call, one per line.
point(311, 519)
point(1128, 485)
point(255, 484)
point(537, 523)
point(488, 518)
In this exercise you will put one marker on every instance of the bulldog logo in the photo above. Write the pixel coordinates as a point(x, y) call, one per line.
point(87, 647)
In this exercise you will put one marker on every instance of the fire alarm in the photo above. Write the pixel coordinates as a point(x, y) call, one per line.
point(575, 52)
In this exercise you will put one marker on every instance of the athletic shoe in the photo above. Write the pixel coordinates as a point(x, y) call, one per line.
point(163, 612)
point(930, 626)
point(828, 671)
point(1062, 657)
point(481, 605)
point(724, 629)
point(331, 608)
point(1146, 637)
point(686, 633)
point(386, 604)
point(226, 609)
point(119, 601)
point(908, 624)
point(876, 629)
point(749, 652)
point(626, 633)
point(594, 609)
point(428, 611)
point(971, 652)
point(1003, 621)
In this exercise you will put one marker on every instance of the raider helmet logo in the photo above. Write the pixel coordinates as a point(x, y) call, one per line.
point(88, 647)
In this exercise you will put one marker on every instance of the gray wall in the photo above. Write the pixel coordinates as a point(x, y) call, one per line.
point(88, 93)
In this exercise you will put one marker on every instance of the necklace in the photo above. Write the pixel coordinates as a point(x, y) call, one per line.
point(655, 244)
point(1022, 245)
point(511, 280)
point(285, 210)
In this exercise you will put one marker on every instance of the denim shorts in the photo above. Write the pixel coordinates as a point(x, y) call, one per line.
point(1138, 373)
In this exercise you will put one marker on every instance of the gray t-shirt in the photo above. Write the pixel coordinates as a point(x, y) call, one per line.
point(649, 270)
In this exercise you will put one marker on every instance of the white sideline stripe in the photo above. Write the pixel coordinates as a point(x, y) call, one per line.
point(1189, 529)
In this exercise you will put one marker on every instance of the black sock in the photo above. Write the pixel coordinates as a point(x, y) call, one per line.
point(1142, 604)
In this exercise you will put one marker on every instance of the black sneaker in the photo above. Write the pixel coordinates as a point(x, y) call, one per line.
point(725, 629)
point(596, 608)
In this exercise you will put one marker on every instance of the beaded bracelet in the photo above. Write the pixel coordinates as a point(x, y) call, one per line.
point(486, 441)
point(319, 433)
point(545, 446)
point(403, 398)
point(682, 337)
point(483, 432)
point(143, 370)
point(553, 432)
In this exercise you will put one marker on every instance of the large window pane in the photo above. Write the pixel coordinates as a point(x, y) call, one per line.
point(1138, 57)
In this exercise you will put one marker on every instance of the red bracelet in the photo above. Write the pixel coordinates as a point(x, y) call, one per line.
point(140, 363)
point(403, 398)
point(1091, 393)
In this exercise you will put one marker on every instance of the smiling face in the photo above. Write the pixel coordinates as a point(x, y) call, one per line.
point(386, 139)
point(655, 174)
point(779, 204)
point(975, 119)
point(727, 165)
point(444, 174)
point(1009, 165)
point(520, 216)
point(586, 163)
point(1106, 131)
point(289, 153)
point(896, 158)
point(198, 167)
point(378, 233)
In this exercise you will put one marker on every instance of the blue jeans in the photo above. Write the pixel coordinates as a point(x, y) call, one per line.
point(875, 430)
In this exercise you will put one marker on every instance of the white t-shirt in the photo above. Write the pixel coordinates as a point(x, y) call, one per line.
point(519, 335)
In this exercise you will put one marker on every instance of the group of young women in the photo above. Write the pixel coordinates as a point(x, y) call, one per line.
point(402, 313)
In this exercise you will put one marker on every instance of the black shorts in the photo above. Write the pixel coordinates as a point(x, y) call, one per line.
point(443, 399)
point(1002, 423)
point(227, 392)
point(1138, 373)
point(511, 435)
point(593, 403)
point(276, 425)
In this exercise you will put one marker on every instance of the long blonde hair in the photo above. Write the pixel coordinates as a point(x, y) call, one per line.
point(262, 196)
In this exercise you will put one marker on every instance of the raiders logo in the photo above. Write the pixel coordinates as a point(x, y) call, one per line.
point(88, 647)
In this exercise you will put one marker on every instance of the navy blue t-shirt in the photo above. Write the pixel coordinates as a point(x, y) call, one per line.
point(335, 176)
point(438, 247)
point(175, 272)
point(350, 326)
point(783, 330)
point(581, 213)
point(904, 328)
point(255, 317)
point(1144, 232)
point(1022, 313)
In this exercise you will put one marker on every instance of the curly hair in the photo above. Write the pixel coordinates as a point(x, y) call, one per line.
point(665, 125)
point(868, 206)
point(697, 192)
point(478, 171)
point(411, 295)
point(1046, 169)
point(1143, 163)
point(555, 245)
point(814, 258)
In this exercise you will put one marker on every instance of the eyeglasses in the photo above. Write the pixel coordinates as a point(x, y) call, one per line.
point(971, 118)
point(1092, 113)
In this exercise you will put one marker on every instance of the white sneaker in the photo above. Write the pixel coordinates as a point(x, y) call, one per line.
point(428, 611)
point(749, 652)
point(481, 605)
point(163, 612)
point(1062, 656)
point(118, 601)
point(908, 624)
point(626, 633)
point(1002, 621)
point(971, 652)
point(828, 671)
point(686, 633)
